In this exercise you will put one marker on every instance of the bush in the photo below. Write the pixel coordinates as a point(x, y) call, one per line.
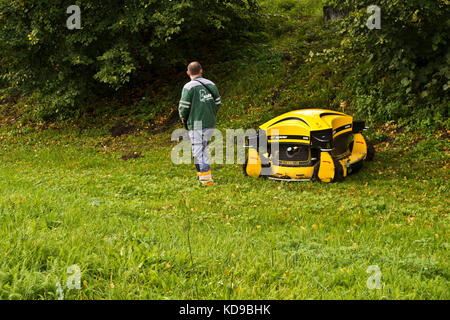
point(402, 69)
point(120, 43)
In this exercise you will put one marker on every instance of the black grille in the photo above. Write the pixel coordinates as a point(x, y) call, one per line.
point(341, 145)
point(291, 155)
point(322, 139)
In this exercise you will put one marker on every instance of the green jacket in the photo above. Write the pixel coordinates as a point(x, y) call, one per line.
point(197, 103)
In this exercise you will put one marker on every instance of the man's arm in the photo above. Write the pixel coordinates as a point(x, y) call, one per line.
point(217, 98)
point(184, 107)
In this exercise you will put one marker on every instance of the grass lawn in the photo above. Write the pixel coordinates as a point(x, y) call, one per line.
point(145, 229)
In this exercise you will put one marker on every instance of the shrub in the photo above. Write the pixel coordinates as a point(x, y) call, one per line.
point(403, 68)
point(120, 43)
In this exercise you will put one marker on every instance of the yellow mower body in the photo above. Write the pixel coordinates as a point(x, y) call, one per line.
point(311, 144)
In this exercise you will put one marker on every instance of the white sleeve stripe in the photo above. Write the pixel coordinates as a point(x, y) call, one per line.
point(187, 107)
point(185, 102)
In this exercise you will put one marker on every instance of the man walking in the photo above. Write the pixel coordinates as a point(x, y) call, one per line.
point(200, 101)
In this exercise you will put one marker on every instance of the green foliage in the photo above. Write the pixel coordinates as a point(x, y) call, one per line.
point(402, 69)
point(120, 43)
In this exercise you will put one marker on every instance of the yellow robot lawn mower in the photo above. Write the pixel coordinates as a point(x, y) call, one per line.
point(305, 145)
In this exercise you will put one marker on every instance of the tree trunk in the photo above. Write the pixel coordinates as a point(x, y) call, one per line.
point(331, 13)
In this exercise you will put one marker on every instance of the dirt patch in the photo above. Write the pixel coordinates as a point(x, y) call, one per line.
point(133, 155)
point(165, 124)
point(9, 114)
point(121, 129)
point(11, 99)
point(444, 135)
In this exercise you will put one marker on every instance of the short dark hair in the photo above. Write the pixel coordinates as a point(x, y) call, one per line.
point(194, 68)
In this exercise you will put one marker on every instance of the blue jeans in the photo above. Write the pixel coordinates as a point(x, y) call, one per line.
point(200, 140)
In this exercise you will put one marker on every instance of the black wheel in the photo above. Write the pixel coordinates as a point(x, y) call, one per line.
point(338, 171)
point(315, 176)
point(370, 151)
point(244, 167)
point(356, 167)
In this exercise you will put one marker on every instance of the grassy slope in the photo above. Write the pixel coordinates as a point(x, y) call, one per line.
point(145, 229)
